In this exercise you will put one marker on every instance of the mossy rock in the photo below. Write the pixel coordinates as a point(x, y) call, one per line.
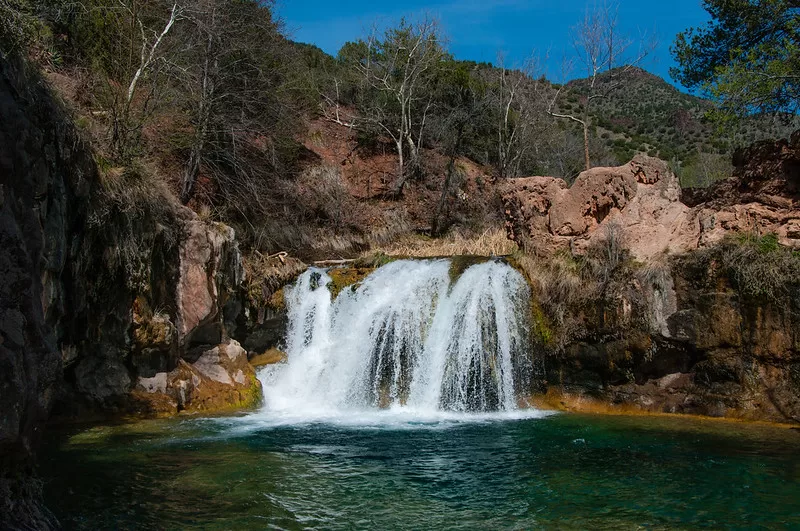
point(540, 326)
point(270, 357)
point(459, 264)
point(374, 260)
point(277, 301)
point(343, 277)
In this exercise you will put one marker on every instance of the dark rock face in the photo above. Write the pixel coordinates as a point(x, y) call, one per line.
point(93, 300)
point(45, 174)
point(720, 354)
point(94, 297)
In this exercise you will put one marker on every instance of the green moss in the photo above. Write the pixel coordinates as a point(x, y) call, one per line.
point(459, 264)
point(763, 244)
point(250, 397)
point(540, 326)
point(374, 261)
point(344, 277)
point(277, 301)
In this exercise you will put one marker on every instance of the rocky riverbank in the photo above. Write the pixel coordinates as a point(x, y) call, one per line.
point(657, 299)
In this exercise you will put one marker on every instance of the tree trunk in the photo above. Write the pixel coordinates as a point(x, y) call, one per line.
point(413, 158)
point(586, 144)
point(401, 173)
point(204, 117)
point(190, 173)
point(436, 225)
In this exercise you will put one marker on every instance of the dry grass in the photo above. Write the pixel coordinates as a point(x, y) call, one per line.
point(490, 242)
point(265, 275)
point(130, 215)
point(560, 289)
point(757, 266)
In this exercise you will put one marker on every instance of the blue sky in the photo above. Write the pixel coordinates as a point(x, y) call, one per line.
point(479, 29)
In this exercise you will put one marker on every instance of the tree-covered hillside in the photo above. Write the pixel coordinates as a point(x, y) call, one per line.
point(210, 101)
point(649, 115)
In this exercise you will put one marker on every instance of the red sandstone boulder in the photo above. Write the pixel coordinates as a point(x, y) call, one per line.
point(640, 203)
point(210, 267)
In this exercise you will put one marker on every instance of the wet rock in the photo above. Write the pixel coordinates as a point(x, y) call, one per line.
point(102, 378)
point(270, 357)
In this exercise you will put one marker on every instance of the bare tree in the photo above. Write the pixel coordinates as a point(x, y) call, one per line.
point(462, 103)
point(519, 99)
point(150, 40)
point(227, 62)
point(602, 50)
point(396, 73)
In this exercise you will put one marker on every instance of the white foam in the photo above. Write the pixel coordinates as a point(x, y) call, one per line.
point(405, 348)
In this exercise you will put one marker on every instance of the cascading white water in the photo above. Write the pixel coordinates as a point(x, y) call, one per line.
point(406, 337)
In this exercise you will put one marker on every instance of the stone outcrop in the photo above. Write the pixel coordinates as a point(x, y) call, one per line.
point(189, 303)
point(105, 281)
point(641, 203)
point(114, 299)
point(220, 379)
point(43, 166)
point(720, 354)
point(680, 333)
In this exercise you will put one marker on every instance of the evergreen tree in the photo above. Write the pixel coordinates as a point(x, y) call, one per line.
point(747, 57)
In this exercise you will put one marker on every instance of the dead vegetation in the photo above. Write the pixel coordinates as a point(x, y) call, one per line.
point(265, 276)
point(580, 297)
point(131, 214)
point(490, 242)
point(756, 266)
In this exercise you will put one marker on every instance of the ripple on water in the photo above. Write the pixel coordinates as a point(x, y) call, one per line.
point(380, 470)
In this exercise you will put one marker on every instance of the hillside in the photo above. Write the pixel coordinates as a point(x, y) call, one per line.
point(298, 151)
point(646, 114)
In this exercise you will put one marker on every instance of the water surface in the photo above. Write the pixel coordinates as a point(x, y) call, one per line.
point(388, 470)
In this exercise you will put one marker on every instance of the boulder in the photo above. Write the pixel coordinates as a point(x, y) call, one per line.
point(210, 272)
point(220, 379)
point(641, 202)
point(711, 348)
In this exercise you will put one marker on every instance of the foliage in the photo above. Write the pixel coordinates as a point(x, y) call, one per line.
point(760, 266)
point(230, 64)
point(757, 266)
point(490, 242)
point(217, 115)
point(18, 24)
point(747, 57)
point(604, 52)
point(395, 72)
point(651, 116)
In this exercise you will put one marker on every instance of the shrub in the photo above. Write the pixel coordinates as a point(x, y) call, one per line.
point(18, 25)
point(760, 267)
point(756, 266)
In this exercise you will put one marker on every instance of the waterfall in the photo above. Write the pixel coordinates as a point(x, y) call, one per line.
point(408, 336)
